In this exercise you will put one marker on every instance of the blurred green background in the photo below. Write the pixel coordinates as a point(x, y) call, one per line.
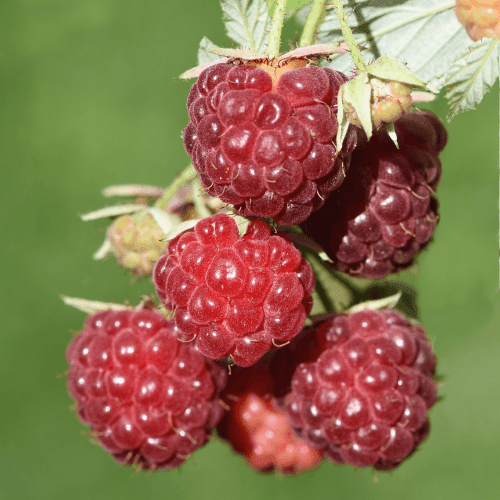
point(88, 99)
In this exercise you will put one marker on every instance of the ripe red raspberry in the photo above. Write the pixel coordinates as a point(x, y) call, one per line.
point(268, 150)
point(235, 295)
point(481, 18)
point(384, 214)
point(364, 396)
point(149, 400)
point(257, 429)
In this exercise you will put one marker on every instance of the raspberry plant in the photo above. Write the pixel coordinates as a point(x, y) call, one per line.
point(310, 169)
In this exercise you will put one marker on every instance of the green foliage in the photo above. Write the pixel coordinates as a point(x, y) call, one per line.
point(471, 76)
point(204, 51)
point(247, 22)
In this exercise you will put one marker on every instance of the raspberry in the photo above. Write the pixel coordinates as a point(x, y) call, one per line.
point(268, 150)
point(481, 18)
point(384, 214)
point(235, 295)
point(257, 429)
point(422, 130)
point(389, 101)
point(363, 399)
point(149, 400)
point(136, 242)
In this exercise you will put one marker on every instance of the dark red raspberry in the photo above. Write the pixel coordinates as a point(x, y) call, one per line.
point(257, 429)
point(149, 400)
point(268, 150)
point(384, 214)
point(364, 396)
point(235, 295)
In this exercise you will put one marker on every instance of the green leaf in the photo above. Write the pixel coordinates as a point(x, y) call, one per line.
point(242, 223)
point(302, 12)
point(330, 294)
point(424, 34)
point(204, 51)
point(113, 211)
point(166, 221)
point(179, 229)
point(357, 93)
point(246, 22)
point(342, 121)
point(249, 55)
point(92, 306)
point(471, 76)
point(388, 68)
point(376, 305)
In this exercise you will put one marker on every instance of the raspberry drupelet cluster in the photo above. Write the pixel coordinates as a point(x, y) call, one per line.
point(255, 427)
point(385, 213)
point(136, 242)
point(268, 148)
point(361, 389)
point(149, 400)
point(481, 18)
point(235, 296)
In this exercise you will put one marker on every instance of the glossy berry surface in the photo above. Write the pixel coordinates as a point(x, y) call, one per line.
point(234, 295)
point(270, 151)
point(385, 213)
point(363, 397)
point(257, 429)
point(149, 400)
point(481, 18)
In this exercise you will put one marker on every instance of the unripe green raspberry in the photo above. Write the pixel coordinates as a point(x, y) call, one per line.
point(389, 100)
point(137, 241)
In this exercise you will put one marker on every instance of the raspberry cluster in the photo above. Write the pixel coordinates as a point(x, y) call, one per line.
point(149, 400)
point(384, 214)
point(354, 388)
point(257, 429)
point(481, 18)
point(235, 295)
point(268, 150)
point(363, 389)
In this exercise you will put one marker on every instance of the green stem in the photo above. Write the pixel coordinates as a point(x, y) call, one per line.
point(186, 175)
point(273, 46)
point(348, 37)
point(319, 289)
point(312, 22)
point(323, 296)
point(200, 207)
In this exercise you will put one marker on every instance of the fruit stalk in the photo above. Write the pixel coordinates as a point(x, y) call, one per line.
point(348, 36)
point(273, 46)
point(312, 22)
point(186, 175)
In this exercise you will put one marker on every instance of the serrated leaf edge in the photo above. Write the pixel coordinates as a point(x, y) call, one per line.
point(455, 103)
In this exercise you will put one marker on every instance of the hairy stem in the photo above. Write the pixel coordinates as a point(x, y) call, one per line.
point(273, 46)
point(312, 22)
point(348, 37)
point(186, 175)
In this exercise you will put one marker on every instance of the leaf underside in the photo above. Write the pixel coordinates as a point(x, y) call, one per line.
point(204, 51)
point(471, 76)
point(247, 22)
point(424, 35)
